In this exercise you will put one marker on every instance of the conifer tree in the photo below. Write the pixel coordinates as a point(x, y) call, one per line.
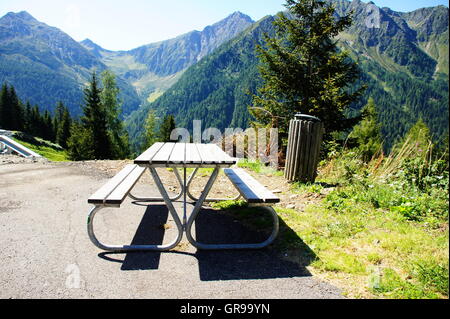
point(110, 100)
point(63, 132)
point(166, 128)
point(150, 130)
point(35, 122)
point(303, 70)
point(4, 106)
point(80, 145)
point(11, 109)
point(57, 116)
point(368, 132)
point(419, 138)
point(27, 118)
point(95, 121)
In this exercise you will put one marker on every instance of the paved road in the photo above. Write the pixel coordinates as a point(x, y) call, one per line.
point(46, 252)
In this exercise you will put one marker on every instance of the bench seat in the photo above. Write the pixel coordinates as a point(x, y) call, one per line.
point(250, 188)
point(117, 188)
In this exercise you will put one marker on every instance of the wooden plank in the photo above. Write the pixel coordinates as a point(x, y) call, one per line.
point(313, 152)
point(178, 155)
point(296, 147)
point(306, 150)
point(124, 188)
point(319, 144)
point(288, 165)
point(301, 150)
point(192, 154)
point(100, 196)
point(205, 153)
point(249, 187)
point(220, 156)
point(163, 155)
point(147, 156)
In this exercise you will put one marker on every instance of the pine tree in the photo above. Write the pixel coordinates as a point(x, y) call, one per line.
point(4, 115)
point(28, 125)
point(95, 121)
point(110, 101)
point(16, 120)
point(303, 70)
point(57, 117)
point(35, 122)
point(80, 145)
point(149, 132)
point(48, 132)
point(368, 133)
point(166, 128)
point(419, 139)
point(63, 132)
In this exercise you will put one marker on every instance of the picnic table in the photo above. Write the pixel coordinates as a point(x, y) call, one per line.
point(181, 156)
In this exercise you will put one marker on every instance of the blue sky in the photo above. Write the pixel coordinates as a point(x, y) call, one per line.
point(124, 25)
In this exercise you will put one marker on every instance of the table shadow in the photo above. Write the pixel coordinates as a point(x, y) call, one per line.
point(213, 227)
point(150, 232)
point(219, 227)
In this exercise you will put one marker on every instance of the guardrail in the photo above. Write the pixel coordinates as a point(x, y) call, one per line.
point(8, 145)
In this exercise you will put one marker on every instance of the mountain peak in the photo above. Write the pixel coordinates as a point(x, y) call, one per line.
point(93, 47)
point(22, 15)
point(236, 20)
point(89, 43)
point(240, 15)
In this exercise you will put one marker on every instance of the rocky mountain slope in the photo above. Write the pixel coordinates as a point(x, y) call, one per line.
point(154, 68)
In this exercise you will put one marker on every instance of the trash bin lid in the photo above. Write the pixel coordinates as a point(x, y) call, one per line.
point(305, 117)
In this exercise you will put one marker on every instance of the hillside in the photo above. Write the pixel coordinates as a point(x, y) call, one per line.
point(406, 82)
point(37, 59)
point(214, 89)
point(45, 65)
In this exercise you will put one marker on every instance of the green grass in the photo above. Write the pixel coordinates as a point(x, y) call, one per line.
point(351, 242)
point(259, 167)
point(375, 236)
point(46, 149)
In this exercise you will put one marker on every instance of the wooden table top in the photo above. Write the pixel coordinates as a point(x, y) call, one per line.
point(185, 155)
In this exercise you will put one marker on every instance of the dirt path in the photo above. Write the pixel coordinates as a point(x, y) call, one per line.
point(46, 252)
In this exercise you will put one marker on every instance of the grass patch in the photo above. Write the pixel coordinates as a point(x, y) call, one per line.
point(350, 243)
point(259, 167)
point(380, 232)
point(52, 152)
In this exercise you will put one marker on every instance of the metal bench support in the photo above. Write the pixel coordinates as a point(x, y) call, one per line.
point(204, 246)
point(128, 248)
point(160, 199)
point(207, 200)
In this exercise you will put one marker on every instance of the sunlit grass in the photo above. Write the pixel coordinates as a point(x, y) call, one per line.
point(50, 153)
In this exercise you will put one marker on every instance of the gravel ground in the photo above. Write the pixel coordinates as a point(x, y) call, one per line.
point(46, 252)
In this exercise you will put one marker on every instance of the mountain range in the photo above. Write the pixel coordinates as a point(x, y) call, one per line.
point(45, 65)
point(37, 59)
point(404, 62)
point(211, 74)
point(153, 68)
